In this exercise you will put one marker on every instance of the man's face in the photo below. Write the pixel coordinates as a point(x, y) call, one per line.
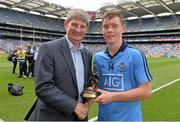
point(75, 30)
point(112, 30)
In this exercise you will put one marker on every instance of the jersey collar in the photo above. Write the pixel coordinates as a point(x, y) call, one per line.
point(121, 49)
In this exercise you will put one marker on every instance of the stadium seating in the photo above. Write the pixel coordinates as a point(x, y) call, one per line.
point(22, 28)
point(26, 19)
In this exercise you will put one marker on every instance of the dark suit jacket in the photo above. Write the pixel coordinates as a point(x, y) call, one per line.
point(55, 81)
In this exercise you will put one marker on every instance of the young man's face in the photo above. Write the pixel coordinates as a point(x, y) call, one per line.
point(112, 30)
point(75, 30)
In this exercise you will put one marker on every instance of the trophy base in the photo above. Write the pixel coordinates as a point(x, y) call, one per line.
point(89, 95)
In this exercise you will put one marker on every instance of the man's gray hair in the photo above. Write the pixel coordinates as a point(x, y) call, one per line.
point(78, 14)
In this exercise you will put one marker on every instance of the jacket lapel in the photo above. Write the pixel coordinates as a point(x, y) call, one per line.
point(68, 58)
point(84, 57)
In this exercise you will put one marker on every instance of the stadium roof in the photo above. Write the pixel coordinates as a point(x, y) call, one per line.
point(126, 7)
point(144, 7)
point(37, 6)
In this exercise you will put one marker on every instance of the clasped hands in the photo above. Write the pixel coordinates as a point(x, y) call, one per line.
point(82, 109)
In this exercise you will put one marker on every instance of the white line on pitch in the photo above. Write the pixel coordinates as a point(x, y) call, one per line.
point(165, 85)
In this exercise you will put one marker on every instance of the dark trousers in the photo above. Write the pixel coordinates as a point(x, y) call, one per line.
point(31, 69)
point(14, 66)
point(22, 69)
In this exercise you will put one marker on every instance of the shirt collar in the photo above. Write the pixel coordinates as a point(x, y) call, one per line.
point(72, 46)
point(121, 49)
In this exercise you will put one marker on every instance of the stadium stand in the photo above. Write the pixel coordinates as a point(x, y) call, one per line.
point(36, 21)
point(156, 36)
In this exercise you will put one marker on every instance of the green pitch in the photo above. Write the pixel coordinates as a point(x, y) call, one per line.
point(162, 106)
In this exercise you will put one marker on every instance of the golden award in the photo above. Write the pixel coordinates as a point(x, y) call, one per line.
point(90, 90)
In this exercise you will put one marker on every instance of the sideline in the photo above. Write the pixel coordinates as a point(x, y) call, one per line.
point(153, 91)
point(157, 89)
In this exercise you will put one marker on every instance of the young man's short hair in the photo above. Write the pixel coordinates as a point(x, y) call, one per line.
point(112, 14)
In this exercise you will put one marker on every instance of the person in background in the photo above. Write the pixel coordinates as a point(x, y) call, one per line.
point(61, 71)
point(124, 77)
point(30, 59)
point(14, 60)
point(21, 56)
point(35, 53)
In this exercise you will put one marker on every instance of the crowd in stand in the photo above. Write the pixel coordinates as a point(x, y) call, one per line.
point(95, 47)
point(150, 49)
point(160, 50)
point(8, 45)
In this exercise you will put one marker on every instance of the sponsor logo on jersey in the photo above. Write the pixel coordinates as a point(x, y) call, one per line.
point(113, 82)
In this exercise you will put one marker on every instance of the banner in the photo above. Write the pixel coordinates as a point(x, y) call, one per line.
point(92, 15)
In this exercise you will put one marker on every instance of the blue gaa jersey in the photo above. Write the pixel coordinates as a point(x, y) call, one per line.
point(126, 70)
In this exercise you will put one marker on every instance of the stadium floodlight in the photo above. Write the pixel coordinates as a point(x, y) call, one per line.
point(131, 18)
point(127, 1)
point(34, 12)
point(18, 9)
point(3, 6)
point(52, 16)
point(119, 2)
point(164, 14)
point(178, 12)
point(148, 16)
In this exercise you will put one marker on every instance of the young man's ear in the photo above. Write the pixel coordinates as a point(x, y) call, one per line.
point(123, 28)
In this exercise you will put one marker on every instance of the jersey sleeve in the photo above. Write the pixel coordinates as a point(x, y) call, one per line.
point(141, 70)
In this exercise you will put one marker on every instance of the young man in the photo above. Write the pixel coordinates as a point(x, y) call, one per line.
point(124, 78)
point(61, 72)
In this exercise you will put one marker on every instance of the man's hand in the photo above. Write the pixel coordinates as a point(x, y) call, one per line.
point(81, 110)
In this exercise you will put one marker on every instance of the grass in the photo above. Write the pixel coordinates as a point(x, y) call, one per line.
point(162, 106)
point(14, 107)
point(164, 70)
